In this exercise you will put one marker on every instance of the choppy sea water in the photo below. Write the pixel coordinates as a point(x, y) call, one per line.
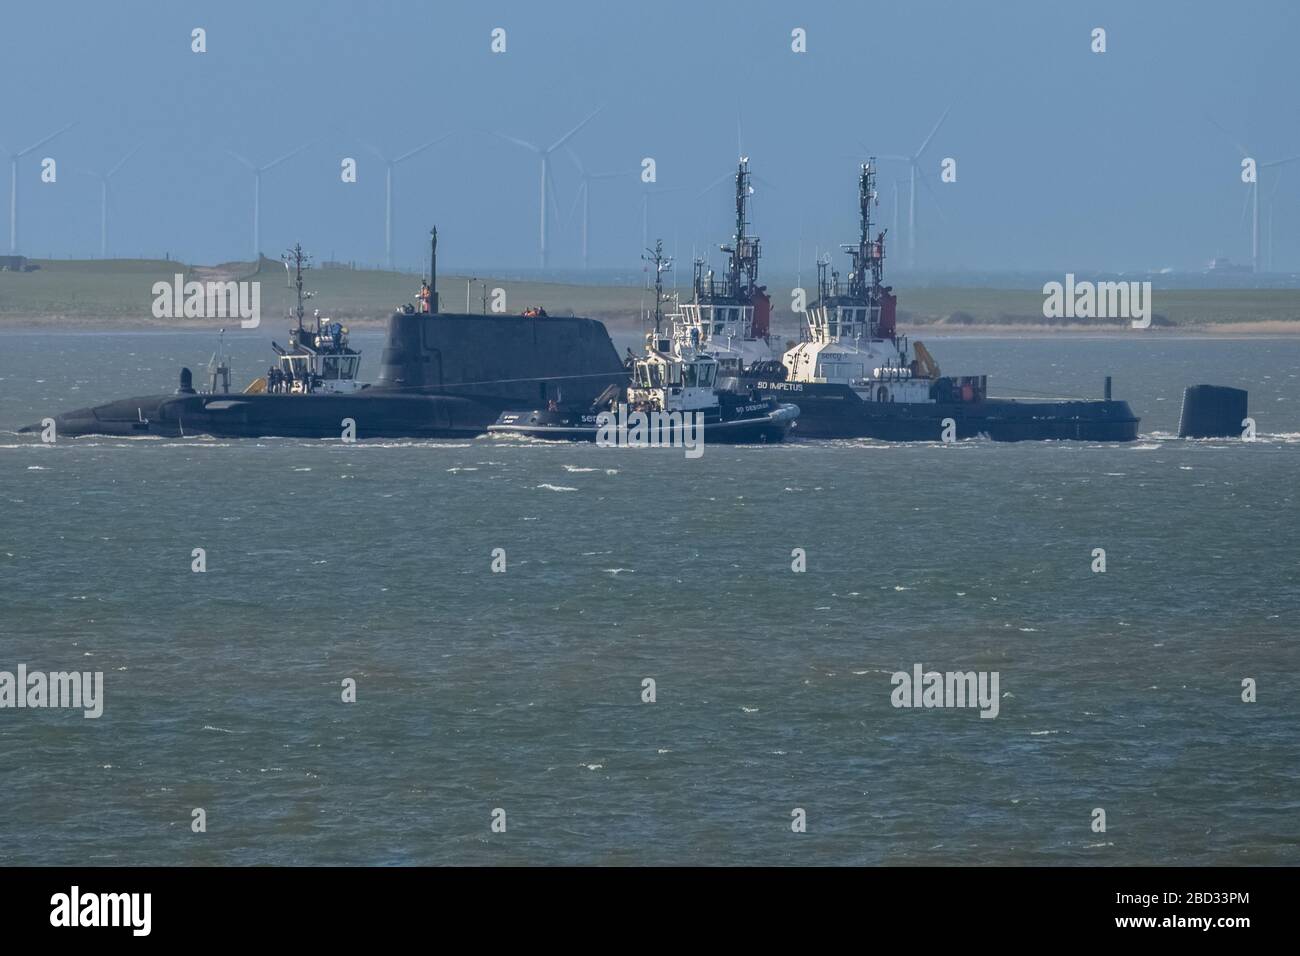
point(523, 690)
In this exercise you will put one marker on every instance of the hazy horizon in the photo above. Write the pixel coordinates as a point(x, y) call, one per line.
point(1066, 159)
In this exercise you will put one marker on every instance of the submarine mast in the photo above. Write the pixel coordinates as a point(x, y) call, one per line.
point(433, 270)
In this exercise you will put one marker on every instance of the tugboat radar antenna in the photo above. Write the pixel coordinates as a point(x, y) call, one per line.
point(866, 186)
point(869, 255)
point(662, 264)
point(742, 266)
point(300, 262)
point(219, 367)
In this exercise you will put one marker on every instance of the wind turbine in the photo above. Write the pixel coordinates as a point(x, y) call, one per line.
point(388, 188)
point(547, 185)
point(103, 199)
point(645, 208)
point(730, 177)
point(706, 210)
point(13, 184)
point(914, 164)
point(1268, 210)
point(727, 177)
point(895, 209)
point(584, 194)
point(257, 192)
point(1253, 196)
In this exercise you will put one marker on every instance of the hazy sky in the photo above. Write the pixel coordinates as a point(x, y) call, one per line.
point(1066, 159)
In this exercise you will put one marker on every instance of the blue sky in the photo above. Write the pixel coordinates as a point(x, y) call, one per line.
point(1066, 159)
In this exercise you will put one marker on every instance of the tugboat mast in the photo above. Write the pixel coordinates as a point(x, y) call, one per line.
point(868, 254)
point(742, 254)
point(662, 264)
point(866, 277)
point(300, 261)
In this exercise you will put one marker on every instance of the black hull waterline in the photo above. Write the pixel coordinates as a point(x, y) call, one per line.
point(557, 426)
point(840, 413)
point(367, 414)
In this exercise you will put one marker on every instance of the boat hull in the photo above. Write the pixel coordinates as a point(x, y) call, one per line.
point(361, 415)
point(836, 411)
point(748, 428)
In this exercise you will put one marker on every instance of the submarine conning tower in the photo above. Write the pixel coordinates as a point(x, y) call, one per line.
point(1213, 411)
point(520, 359)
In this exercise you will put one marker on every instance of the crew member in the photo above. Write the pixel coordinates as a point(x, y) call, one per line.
point(426, 296)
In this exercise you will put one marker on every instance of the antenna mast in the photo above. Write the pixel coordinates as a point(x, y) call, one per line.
point(300, 261)
point(868, 255)
point(662, 264)
point(433, 270)
point(744, 249)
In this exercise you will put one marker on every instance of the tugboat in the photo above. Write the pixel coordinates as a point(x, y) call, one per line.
point(441, 375)
point(673, 399)
point(730, 317)
point(318, 361)
point(854, 376)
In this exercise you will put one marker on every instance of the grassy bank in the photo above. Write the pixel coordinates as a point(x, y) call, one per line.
point(118, 294)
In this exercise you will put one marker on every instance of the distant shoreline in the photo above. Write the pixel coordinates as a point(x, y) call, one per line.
point(117, 295)
point(79, 324)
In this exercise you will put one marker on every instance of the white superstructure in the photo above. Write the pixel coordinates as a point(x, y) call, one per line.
point(673, 377)
point(849, 338)
point(728, 316)
point(725, 331)
point(844, 347)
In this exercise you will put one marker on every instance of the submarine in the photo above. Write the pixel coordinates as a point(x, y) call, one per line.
point(441, 375)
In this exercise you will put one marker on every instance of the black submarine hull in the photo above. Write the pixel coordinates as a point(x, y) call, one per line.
point(363, 415)
point(442, 375)
point(837, 411)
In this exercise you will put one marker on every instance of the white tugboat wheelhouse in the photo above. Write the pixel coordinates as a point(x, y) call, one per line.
point(673, 378)
point(318, 360)
point(849, 336)
point(729, 316)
